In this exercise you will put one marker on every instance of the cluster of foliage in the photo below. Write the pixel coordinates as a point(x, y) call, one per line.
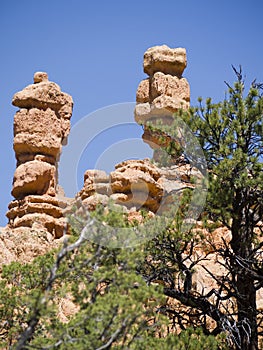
point(231, 136)
point(144, 296)
point(114, 306)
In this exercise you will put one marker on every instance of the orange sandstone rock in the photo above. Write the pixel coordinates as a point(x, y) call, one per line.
point(161, 95)
point(41, 126)
point(164, 59)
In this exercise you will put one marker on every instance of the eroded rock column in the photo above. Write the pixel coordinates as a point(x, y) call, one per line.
point(41, 126)
point(162, 94)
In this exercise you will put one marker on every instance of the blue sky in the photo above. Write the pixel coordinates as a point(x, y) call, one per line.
point(94, 51)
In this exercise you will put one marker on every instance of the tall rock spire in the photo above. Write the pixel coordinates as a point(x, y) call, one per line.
point(163, 93)
point(41, 126)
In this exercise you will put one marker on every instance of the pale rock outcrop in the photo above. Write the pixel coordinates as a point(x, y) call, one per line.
point(30, 132)
point(135, 185)
point(96, 189)
point(162, 94)
point(95, 181)
point(23, 244)
point(41, 126)
point(168, 85)
point(143, 91)
point(34, 177)
point(137, 179)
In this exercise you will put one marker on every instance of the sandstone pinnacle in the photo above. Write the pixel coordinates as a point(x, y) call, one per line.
point(162, 94)
point(41, 126)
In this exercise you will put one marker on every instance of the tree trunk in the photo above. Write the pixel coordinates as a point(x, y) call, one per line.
point(247, 313)
point(242, 246)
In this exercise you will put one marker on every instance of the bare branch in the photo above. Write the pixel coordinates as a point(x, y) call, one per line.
point(35, 318)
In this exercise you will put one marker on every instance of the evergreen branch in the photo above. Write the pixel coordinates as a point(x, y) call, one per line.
point(37, 312)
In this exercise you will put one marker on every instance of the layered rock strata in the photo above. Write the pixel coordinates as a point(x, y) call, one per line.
point(135, 185)
point(162, 94)
point(41, 126)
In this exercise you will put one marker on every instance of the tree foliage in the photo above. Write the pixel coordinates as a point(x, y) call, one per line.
point(231, 135)
point(114, 306)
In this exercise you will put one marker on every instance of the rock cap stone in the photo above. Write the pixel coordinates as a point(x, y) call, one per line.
point(166, 60)
point(40, 77)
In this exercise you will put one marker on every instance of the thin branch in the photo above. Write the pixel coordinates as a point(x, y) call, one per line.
point(113, 337)
point(35, 318)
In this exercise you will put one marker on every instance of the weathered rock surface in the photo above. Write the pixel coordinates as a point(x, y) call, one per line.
point(137, 179)
point(23, 244)
point(165, 60)
point(143, 91)
point(132, 184)
point(95, 181)
point(136, 184)
point(44, 94)
point(34, 177)
point(162, 94)
point(37, 131)
point(38, 211)
point(41, 126)
point(168, 85)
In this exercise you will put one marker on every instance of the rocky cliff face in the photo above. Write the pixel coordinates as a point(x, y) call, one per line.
point(41, 126)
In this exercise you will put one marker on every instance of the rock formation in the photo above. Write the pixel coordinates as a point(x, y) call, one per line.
point(41, 126)
point(96, 189)
point(133, 184)
point(137, 184)
point(162, 94)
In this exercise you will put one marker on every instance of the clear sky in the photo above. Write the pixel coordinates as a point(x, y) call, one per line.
point(94, 51)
